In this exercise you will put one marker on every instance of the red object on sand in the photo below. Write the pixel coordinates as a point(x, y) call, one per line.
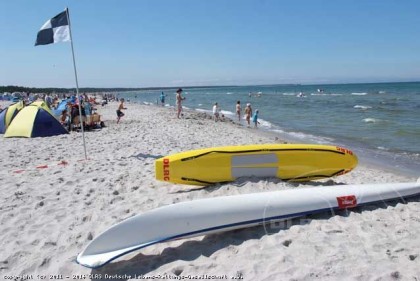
point(63, 163)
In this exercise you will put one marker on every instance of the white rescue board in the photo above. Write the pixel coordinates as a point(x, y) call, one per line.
point(204, 216)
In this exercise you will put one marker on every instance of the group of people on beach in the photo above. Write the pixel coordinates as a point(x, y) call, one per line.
point(71, 111)
point(248, 114)
point(179, 99)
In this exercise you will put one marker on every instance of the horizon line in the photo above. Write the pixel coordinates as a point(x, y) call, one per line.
point(212, 86)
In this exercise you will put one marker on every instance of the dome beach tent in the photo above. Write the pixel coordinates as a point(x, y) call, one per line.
point(33, 121)
point(7, 115)
point(42, 105)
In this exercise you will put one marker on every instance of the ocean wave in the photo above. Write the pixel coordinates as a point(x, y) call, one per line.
point(372, 120)
point(325, 94)
point(289, 94)
point(363, 107)
point(310, 137)
point(203, 110)
point(227, 112)
point(382, 148)
point(359, 94)
point(279, 131)
point(265, 123)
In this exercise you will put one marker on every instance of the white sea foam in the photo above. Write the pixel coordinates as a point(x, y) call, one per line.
point(310, 138)
point(363, 107)
point(382, 148)
point(359, 94)
point(264, 123)
point(371, 120)
point(227, 112)
point(202, 110)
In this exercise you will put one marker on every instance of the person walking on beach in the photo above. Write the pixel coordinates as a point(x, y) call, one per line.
point(255, 119)
point(238, 110)
point(216, 112)
point(248, 113)
point(179, 99)
point(119, 110)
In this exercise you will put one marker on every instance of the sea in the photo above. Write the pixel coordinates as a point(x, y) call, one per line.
point(380, 122)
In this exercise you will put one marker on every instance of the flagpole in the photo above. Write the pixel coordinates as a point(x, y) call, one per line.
point(77, 85)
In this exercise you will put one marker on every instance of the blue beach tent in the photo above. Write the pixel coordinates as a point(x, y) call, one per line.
point(33, 121)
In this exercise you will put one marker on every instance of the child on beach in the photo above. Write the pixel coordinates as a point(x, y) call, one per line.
point(238, 110)
point(248, 113)
point(162, 99)
point(119, 110)
point(255, 118)
point(65, 120)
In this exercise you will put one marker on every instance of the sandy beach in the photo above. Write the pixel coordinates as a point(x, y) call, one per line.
point(48, 215)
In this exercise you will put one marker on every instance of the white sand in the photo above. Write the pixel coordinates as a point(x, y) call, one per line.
point(47, 216)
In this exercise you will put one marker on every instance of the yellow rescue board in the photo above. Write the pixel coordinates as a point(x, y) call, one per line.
point(290, 162)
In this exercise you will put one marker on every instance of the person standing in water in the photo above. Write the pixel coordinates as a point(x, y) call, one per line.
point(255, 118)
point(162, 98)
point(248, 113)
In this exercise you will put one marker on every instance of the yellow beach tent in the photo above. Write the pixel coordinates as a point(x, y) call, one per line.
point(42, 105)
point(7, 115)
point(33, 121)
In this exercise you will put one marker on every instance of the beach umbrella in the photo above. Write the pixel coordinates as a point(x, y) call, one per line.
point(33, 121)
point(7, 115)
point(61, 106)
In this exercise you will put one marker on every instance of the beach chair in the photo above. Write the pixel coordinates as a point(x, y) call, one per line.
point(96, 120)
point(76, 122)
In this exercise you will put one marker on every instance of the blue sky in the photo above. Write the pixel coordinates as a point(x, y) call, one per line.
point(144, 43)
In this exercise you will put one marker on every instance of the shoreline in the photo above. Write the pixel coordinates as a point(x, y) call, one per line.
point(366, 156)
point(49, 215)
point(366, 123)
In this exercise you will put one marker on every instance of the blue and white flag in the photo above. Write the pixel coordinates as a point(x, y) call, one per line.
point(54, 30)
